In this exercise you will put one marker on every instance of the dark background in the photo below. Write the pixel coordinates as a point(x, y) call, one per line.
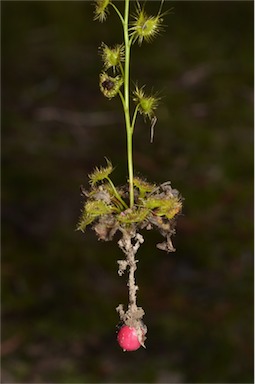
point(60, 287)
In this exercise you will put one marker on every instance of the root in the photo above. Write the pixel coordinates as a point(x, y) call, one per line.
point(129, 244)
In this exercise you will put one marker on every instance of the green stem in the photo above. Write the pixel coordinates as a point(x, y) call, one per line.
point(121, 70)
point(126, 107)
point(116, 193)
point(134, 117)
point(118, 12)
point(122, 99)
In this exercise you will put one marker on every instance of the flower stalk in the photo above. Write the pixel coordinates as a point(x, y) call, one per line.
point(129, 128)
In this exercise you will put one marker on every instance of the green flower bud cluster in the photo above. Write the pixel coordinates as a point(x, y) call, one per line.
point(112, 58)
point(143, 27)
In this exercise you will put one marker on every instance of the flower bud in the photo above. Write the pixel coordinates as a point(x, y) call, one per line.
point(112, 57)
point(144, 26)
point(109, 86)
point(101, 10)
point(146, 104)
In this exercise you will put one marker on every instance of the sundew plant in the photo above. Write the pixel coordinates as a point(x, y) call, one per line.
point(138, 204)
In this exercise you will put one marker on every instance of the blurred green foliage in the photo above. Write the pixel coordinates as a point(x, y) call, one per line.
point(60, 288)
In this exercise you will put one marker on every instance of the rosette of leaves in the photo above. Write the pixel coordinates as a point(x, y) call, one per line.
point(105, 207)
